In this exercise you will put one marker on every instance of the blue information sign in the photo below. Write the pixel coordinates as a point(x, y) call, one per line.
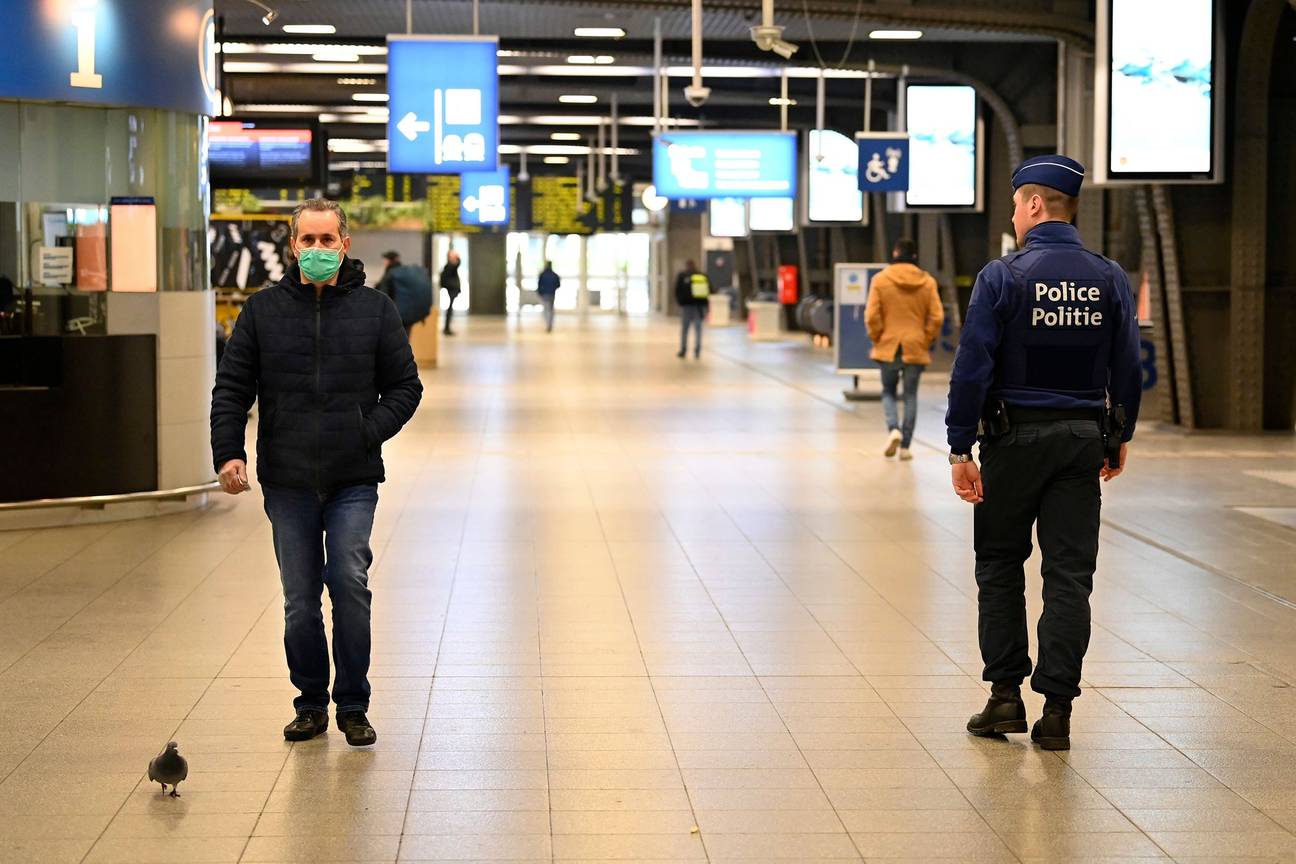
point(883, 161)
point(725, 164)
point(484, 197)
point(110, 52)
point(443, 103)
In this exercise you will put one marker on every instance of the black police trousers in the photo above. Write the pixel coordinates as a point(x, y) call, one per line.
point(1042, 474)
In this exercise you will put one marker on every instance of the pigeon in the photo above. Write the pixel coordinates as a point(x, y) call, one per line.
point(168, 767)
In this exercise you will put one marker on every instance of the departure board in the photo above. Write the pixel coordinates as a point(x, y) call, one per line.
point(556, 206)
point(443, 196)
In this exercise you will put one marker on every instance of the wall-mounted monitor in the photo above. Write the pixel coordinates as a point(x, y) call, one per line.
point(945, 147)
point(832, 183)
point(689, 164)
point(255, 153)
point(771, 215)
point(727, 217)
point(1158, 95)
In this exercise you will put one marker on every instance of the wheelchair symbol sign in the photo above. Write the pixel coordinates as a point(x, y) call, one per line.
point(883, 161)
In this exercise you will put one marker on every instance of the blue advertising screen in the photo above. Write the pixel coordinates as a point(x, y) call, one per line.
point(944, 163)
point(1162, 92)
point(443, 103)
point(725, 164)
point(484, 197)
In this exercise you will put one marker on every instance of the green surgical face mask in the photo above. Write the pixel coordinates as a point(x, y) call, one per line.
point(319, 265)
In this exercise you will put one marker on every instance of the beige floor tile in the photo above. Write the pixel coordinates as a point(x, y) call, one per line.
point(139, 850)
point(366, 848)
point(475, 847)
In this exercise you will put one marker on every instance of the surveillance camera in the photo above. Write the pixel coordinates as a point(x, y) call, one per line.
point(764, 35)
point(697, 96)
point(784, 49)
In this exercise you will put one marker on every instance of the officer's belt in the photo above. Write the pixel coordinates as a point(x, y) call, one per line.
point(1018, 414)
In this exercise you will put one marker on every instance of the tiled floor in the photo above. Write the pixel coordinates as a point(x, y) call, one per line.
point(634, 608)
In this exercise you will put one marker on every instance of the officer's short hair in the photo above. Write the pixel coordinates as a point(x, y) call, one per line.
point(321, 205)
point(905, 249)
point(1057, 203)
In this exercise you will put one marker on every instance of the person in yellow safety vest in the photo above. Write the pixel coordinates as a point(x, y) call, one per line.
point(692, 290)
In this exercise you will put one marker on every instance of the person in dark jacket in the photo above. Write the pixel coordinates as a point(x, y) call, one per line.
point(450, 282)
point(692, 290)
point(331, 367)
point(547, 286)
point(409, 287)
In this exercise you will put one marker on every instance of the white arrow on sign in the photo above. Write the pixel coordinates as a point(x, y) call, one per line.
point(410, 126)
point(470, 204)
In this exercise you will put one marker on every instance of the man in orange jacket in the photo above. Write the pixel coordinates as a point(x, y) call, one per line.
point(904, 316)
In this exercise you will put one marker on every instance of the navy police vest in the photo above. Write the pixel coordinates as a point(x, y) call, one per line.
point(1061, 312)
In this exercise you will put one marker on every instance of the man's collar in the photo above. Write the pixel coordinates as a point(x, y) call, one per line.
point(1053, 232)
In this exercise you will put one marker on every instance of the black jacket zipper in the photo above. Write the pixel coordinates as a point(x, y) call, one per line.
point(319, 404)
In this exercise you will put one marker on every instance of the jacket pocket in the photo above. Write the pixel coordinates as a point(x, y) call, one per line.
point(362, 426)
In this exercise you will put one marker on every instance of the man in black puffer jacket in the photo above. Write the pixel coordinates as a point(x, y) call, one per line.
point(332, 368)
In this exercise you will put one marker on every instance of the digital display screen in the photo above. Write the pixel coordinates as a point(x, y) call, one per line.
point(727, 217)
point(248, 152)
point(832, 185)
point(725, 164)
point(771, 214)
point(1161, 88)
point(132, 232)
point(943, 160)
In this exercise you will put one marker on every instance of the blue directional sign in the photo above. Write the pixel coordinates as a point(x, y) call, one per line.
point(883, 161)
point(443, 104)
point(484, 197)
point(725, 164)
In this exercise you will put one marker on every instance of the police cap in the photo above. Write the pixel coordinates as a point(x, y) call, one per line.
point(1054, 171)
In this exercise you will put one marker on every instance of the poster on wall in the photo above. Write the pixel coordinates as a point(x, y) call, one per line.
point(1157, 88)
point(248, 253)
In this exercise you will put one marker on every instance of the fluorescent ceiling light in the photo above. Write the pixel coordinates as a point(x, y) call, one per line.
point(590, 59)
point(896, 34)
point(556, 160)
point(309, 28)
point(369, 97)
point(776, 100)
point(565, 136)
point(337, 57)
point(600, 32)
point(357, 82)
point(578, 99)
point(581, 58)
point(245, 67)
point(300, 48)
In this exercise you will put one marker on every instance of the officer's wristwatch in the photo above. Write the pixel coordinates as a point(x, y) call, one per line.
point(959, 458)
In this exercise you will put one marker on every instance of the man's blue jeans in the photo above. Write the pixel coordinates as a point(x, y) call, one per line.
point(691, 316)
point(891, 374)
point(324, 540)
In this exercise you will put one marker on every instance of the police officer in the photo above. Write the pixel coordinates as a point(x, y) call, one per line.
point(1048, 356)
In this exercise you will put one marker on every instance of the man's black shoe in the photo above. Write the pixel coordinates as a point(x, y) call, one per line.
point(1004, 712)
point(356, 727)
point(1053, 730)
point(308, 724)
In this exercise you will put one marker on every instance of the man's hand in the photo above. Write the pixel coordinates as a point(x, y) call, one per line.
point(233, 477)
point(967, 482)
point(1110, 473)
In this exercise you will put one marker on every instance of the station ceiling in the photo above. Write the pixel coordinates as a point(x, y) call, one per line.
point(271, 71)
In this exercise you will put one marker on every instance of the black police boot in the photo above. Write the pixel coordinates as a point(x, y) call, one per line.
point(307, 725)
point(1053, 730)
point(355, 725)
point(1004, 712)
